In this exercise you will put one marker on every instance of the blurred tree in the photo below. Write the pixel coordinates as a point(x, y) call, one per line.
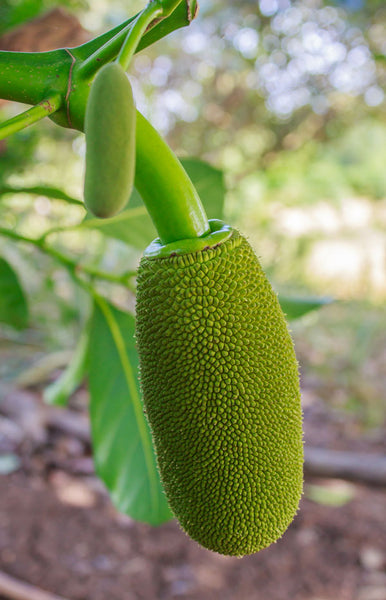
point(14, 13)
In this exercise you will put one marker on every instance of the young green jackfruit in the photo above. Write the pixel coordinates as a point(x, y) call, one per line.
point(221, 390)
point(110, 124)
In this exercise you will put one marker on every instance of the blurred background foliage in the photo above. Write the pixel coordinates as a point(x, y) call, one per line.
point(16, 12)
point(287, 98)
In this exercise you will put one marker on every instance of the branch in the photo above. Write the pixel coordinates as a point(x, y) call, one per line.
point(26, 76)
point(358, 467)
point(109, 44)
point(73, 266)
point(37, 113)
point(17, 590)
point(182, 16)
point(41, 190)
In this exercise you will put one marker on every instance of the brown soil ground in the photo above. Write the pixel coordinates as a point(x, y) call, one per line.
point(91, 553)
point(59, 532)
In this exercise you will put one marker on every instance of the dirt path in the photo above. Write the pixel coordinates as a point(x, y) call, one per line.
point(90, 553)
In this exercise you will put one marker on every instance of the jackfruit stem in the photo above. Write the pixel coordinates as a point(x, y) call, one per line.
point(167, 192)
point(154, 9)
point(136, 32)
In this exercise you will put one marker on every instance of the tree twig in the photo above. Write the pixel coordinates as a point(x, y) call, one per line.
point(41, 190)
point(14, 589)
point(358, 467)
point(32, 115)
point(72, 265)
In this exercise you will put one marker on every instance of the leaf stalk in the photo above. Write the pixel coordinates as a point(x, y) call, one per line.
point(30, 116)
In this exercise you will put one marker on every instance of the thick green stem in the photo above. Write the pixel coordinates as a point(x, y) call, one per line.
point(38, 112)
point(104, 54)
point(167, 191)
point(169, 196)
point(29, 77)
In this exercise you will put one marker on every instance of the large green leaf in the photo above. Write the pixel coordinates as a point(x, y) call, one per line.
point(13, 304)
point(123, 450)
point(209, 183)
point(134, 226)
point(295, 307)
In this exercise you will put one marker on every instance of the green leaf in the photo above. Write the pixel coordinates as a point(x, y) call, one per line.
point(123, 450)
point(134, 226)
point(336, 493)
point(40, 190)
point(59, 392)
point(13, 304)
point(209, 183)
point(295, 307)
point(16, 13)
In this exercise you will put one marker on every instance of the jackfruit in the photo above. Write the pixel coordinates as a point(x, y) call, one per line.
point(220, 385)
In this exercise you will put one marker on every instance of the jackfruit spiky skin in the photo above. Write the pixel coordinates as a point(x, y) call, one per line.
point(221, 390)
